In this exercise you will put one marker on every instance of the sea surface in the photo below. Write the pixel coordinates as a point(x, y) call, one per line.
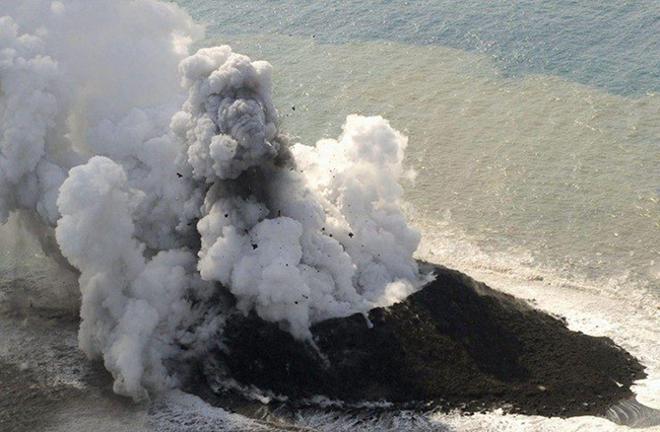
point(534, 132)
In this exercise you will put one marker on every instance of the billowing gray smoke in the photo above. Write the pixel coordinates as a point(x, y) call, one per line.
point(160, 210)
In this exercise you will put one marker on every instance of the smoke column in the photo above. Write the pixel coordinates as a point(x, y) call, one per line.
point(170, 186)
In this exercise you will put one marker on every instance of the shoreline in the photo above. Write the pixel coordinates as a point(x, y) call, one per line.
point(55, 333)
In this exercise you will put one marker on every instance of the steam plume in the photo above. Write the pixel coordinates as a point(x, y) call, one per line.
point(164, 210)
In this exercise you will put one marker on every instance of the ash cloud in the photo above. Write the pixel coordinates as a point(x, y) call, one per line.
point(170, 186)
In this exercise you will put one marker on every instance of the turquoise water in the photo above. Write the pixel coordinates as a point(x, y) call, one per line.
point(534, 126)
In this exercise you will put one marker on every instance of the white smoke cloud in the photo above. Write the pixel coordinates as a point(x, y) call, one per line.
point(295, 247)
point(82, 78)
point(136, 311)
point(28, 110)
point(163, 211)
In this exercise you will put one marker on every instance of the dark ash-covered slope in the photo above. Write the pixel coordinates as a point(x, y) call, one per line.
point(455, 343)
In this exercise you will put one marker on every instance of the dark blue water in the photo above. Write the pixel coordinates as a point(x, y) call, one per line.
point(613, 45)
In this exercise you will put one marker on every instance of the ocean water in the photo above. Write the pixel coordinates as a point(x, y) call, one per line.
point(534, 132)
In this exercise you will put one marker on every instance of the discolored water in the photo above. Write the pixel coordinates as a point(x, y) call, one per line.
point(560, 173)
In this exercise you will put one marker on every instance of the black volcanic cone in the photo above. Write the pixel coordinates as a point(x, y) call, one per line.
point(455, 343)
